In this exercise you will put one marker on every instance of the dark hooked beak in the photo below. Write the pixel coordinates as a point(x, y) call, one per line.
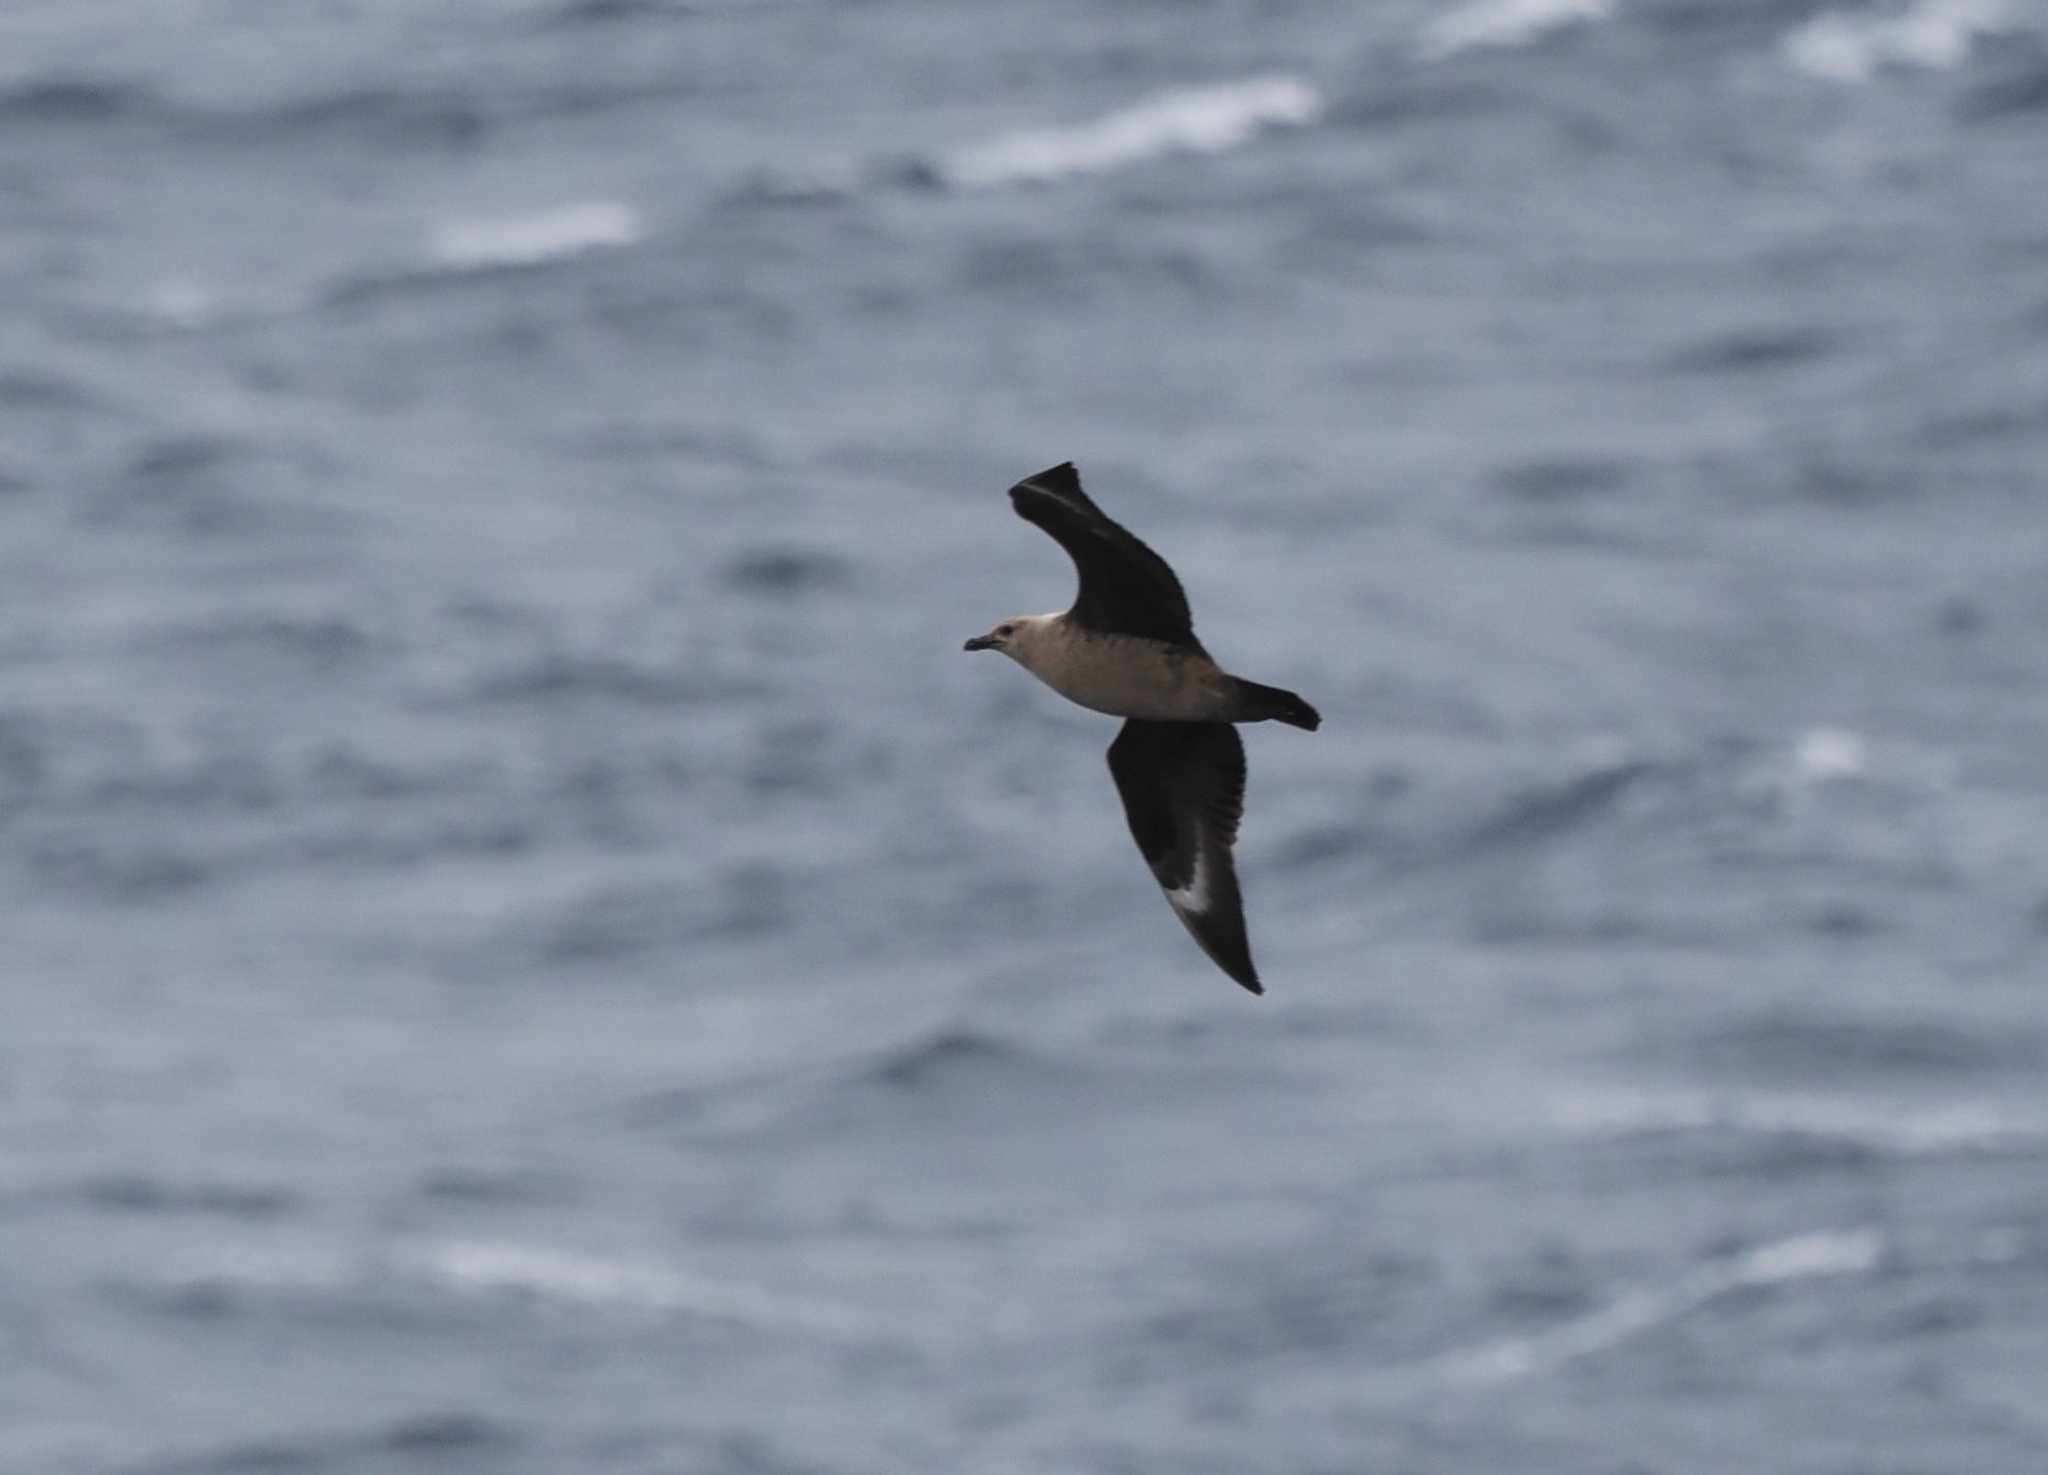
point(980, 642)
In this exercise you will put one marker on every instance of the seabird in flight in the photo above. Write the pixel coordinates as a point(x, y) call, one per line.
point(1128, 648)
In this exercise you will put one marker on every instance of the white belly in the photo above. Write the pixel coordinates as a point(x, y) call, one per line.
point(1124, 676)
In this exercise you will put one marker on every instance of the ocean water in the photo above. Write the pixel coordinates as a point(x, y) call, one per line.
point(526, 946)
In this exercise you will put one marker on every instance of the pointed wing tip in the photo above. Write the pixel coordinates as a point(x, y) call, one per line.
point(1060, 481)
point(1233, 954)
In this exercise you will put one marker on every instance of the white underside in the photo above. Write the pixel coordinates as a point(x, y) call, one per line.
point(1193, 897)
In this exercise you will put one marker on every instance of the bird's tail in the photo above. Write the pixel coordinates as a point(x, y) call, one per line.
point(1269, 703)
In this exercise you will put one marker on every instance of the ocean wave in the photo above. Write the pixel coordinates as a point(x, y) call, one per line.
point(778, 570)
point(445, 117)
point(974, 1071)
point(2023, 89)
point(150, 1194)
point(1192, 120)
point(74, 100)
point(1563, 478)
point(458, 252)
point(46, 391)
point(1542, 813)
point(1797, 1041)
point(1853, 46)
point(574, 13)
point(569, 1278)
point(941, 1057)
point(428, 1436)
point(1504, 23)
point(535, 239)
point(1879, 1129)
point(566, 677)
point(1825, 1254)
point(1754, 350)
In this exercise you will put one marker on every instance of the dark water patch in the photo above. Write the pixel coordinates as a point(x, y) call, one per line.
point(427, 1437)
point(24, 754)
point(1048, 268)
point(565, 678)
point(192, 485)
point(575, 13)
point(1003, 263)
point(181, 457)
point(321, 643)
point(1402, 95)
point(122, 871)
point(344, 772)
point(236, 781)
point(1832, 480)
point(1562, 478)
point(1551, 810)
point(914, 173)
point(1753, 350)
point(401, 285)
point(785, 570)
point(1973, 427)
point(46, 392)
point(946, 1056)
point(1782, 1153)
point(14, 483)
point(1959, 616)
point(446, 119)
point(74, 101)
point(1342, 238)
point(490, 1187)
point(781, 187)
point(147, 1194)
point(1549, 1285)
point(438, 1433)
point(406, 845)
point(2022, 91)
point(1847, 921)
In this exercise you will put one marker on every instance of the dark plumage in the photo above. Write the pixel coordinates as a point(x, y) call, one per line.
point(1126, 588)
point(1127, 647)
point(1182, 785)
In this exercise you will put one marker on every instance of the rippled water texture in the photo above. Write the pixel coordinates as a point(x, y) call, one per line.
point(528, 947)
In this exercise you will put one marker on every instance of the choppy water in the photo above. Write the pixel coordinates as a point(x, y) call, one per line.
point(527, 947)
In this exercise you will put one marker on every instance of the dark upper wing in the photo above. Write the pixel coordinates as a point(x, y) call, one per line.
point(1183, 790)
point(1126, 588)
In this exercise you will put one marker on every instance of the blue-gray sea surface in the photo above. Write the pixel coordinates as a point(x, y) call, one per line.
point(525, 946)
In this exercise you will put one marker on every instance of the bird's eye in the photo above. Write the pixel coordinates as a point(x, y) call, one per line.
point(1005, 629)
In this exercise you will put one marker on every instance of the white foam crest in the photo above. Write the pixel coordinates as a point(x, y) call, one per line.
point(1964, 1126)
point(1853, 46)
point(588, 1280)
point(547, 235)
point(1504, 23)
point(186, 306)
point(1825, 753)
point(1194, 120)
point(1825, 1253)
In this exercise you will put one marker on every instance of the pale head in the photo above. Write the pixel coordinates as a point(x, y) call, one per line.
point(1016, 637)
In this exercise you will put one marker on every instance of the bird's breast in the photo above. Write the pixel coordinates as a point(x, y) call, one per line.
point(1128, 676)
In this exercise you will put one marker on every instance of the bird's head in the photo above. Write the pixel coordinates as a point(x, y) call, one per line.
point(1011, 637)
